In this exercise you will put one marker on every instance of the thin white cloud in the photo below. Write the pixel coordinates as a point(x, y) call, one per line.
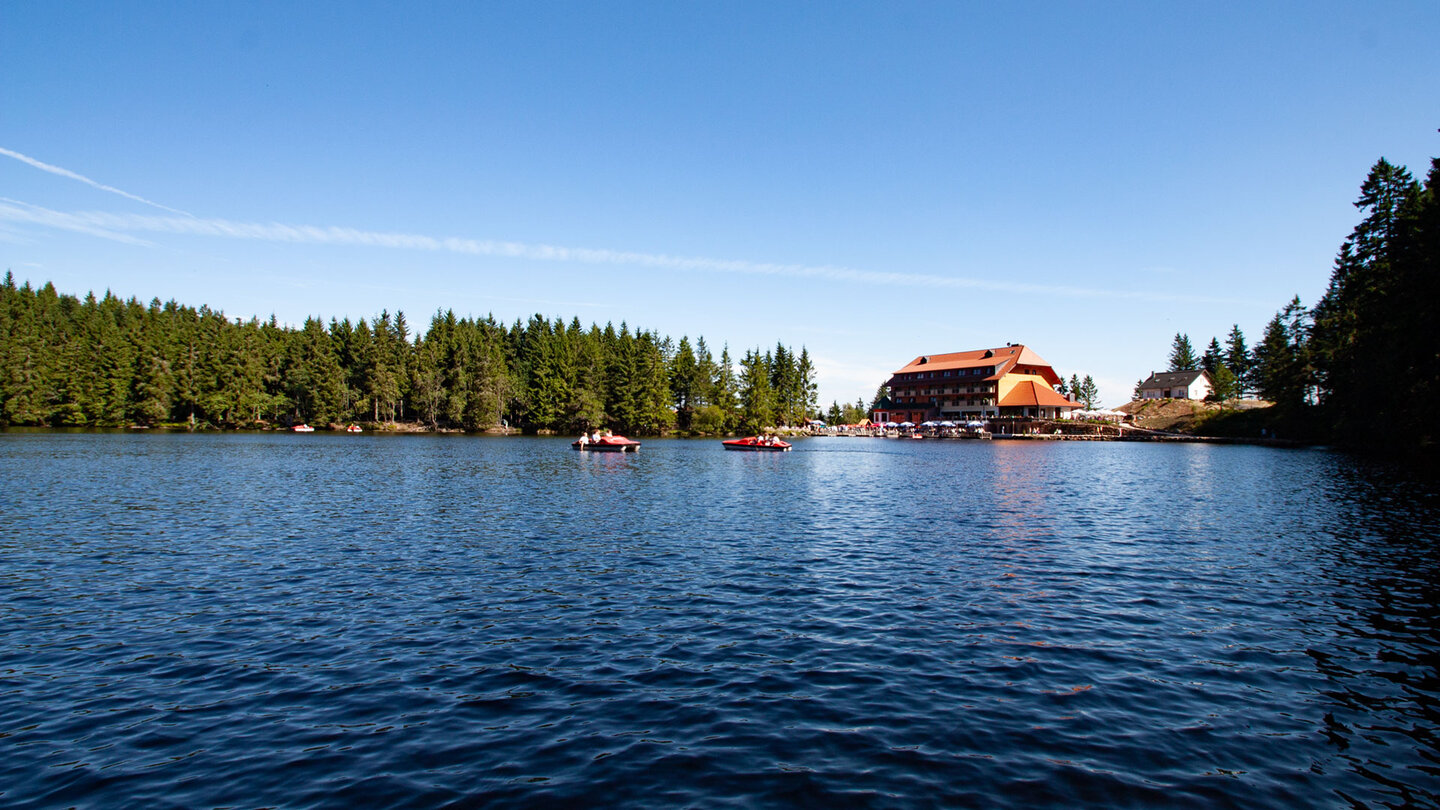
point(115, 226)
point(16, 211)
point(46, 167)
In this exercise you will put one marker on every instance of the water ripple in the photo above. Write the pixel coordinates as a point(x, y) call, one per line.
point(428, 621)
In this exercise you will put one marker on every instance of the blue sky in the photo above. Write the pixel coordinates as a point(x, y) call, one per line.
point(869, 181)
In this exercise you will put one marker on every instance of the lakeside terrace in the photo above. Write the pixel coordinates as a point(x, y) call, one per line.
point(1035, 429)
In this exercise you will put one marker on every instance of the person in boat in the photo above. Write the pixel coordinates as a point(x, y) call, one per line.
point(584, 439)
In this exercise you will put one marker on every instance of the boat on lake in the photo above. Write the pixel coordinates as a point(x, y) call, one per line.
point(353, 429)
point(303, 428)
point(770, 444)
point(607, 444)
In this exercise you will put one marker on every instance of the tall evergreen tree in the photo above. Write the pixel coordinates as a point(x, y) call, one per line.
point(1212, 358)
point(1225, 386)
point(757, 397)
point(684, 383)
point(1282, 365)
point(1182, 354)
point(652, 395)
point(1237, 357)
point(315, 380)
point(809, 403)
point(1363, 323)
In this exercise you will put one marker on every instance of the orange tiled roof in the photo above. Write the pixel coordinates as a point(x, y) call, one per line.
point(1003, 359)
point(1028, 394)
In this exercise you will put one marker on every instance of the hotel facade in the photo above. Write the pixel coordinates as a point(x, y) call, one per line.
point(1007, 381)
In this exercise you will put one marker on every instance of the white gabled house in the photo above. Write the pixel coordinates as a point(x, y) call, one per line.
point(1177, 385)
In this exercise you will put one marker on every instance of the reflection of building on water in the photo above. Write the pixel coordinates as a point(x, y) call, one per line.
point(1007, 381)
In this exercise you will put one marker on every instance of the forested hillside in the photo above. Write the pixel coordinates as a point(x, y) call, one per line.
point(1362, 367)
point(105, 362)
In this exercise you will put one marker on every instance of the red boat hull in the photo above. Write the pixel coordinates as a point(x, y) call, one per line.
point(754, 444)
point(609, 444)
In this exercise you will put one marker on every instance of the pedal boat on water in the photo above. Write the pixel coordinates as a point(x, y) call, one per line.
point(759, 444)
point(303, 428)
point(607, 444)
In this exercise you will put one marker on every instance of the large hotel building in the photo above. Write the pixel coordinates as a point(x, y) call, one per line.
point(1008, 381)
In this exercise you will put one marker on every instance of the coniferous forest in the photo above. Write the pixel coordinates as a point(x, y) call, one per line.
point(105, 362)
point(1361, 368)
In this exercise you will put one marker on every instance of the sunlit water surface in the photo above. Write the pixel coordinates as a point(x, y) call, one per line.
point(414, 621)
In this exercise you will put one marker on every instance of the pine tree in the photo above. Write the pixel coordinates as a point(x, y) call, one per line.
point(1363, 323)
point(684, 383)
point(549, 371)
point(1226, 386)
point(154, 378)
point(426, 383)
point(783, 384)
point(587, 405)
point(1213, 357)
point(652, 386)
point(757, 409)
point(1182, 355)
point(809, 390)
point(314, 378)
point(727, 389)
point(1282, 367)
point(1237, 357)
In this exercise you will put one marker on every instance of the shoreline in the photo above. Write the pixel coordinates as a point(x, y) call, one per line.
point(416, 430)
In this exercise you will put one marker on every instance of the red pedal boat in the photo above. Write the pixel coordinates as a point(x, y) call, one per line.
point(757, 443)
point(608, 444)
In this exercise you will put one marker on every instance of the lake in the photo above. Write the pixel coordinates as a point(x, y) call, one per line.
point(420, 621)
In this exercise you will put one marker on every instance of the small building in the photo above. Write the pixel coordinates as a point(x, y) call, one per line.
point(1007, 381)
point(1177, 385)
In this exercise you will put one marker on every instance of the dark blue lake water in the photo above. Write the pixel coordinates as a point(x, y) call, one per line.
point(415, 621)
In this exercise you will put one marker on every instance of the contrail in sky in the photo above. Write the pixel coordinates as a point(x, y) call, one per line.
point(16, 211)
point(119, 226)
point(46, 167)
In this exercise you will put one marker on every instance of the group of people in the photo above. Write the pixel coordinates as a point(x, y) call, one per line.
point(594, 438)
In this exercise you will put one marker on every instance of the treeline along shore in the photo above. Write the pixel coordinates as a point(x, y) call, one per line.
point(1361, 368)
point(107, 362)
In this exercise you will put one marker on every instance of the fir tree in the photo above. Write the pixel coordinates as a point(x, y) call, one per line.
point(1213, 357)
point(1237, 357)
point(1182, 355)
point(1367, 318)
